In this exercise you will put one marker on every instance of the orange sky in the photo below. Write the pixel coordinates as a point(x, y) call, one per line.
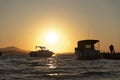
point(26, 23)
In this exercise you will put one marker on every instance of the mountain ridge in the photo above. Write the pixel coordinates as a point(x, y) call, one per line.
point(12, 50)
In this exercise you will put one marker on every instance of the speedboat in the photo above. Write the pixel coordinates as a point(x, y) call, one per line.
point(41, 53)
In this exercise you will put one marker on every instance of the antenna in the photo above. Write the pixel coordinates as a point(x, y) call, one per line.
point(88, 34)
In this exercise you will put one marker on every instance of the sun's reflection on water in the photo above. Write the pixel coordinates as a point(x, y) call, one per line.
point(51, 62)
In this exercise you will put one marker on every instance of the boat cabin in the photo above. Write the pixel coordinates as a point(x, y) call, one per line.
point(87, 44)
point(86, 49)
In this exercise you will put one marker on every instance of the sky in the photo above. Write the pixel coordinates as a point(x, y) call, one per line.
point(27, 23)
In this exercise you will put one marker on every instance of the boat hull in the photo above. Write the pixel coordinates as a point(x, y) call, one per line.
point(110, 55)
point(87, 55)
point(41, 53)
point(115, 56)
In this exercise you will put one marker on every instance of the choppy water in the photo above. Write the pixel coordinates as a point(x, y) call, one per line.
point(66, 67)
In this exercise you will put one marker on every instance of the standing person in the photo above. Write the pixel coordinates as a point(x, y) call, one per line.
point(0, 53)
point(111, 47)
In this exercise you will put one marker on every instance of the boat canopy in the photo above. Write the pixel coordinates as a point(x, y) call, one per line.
point(84, 42)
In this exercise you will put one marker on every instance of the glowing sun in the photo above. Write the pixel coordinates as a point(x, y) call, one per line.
point(51, 38)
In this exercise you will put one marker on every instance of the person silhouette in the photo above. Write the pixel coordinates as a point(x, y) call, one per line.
point(0, 53)
point(111, 47)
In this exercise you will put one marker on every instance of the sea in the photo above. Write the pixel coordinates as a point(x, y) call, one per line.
point(59, 67)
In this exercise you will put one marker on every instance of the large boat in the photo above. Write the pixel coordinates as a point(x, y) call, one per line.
point(43, 52)
point(86, 50)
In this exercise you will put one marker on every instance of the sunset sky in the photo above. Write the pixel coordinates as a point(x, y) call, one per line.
point(59, 24)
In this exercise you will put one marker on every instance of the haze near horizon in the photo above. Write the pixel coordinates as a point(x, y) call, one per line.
point(59, 24)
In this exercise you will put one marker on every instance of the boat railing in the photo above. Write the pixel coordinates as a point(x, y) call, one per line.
point(41, 47)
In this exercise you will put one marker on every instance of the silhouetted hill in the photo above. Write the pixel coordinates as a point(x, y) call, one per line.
point(13, 51)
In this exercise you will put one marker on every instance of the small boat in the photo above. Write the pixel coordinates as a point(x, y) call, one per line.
point(41, 53)
point(86, 50)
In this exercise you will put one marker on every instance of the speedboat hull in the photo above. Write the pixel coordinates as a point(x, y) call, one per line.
point(41, 53)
